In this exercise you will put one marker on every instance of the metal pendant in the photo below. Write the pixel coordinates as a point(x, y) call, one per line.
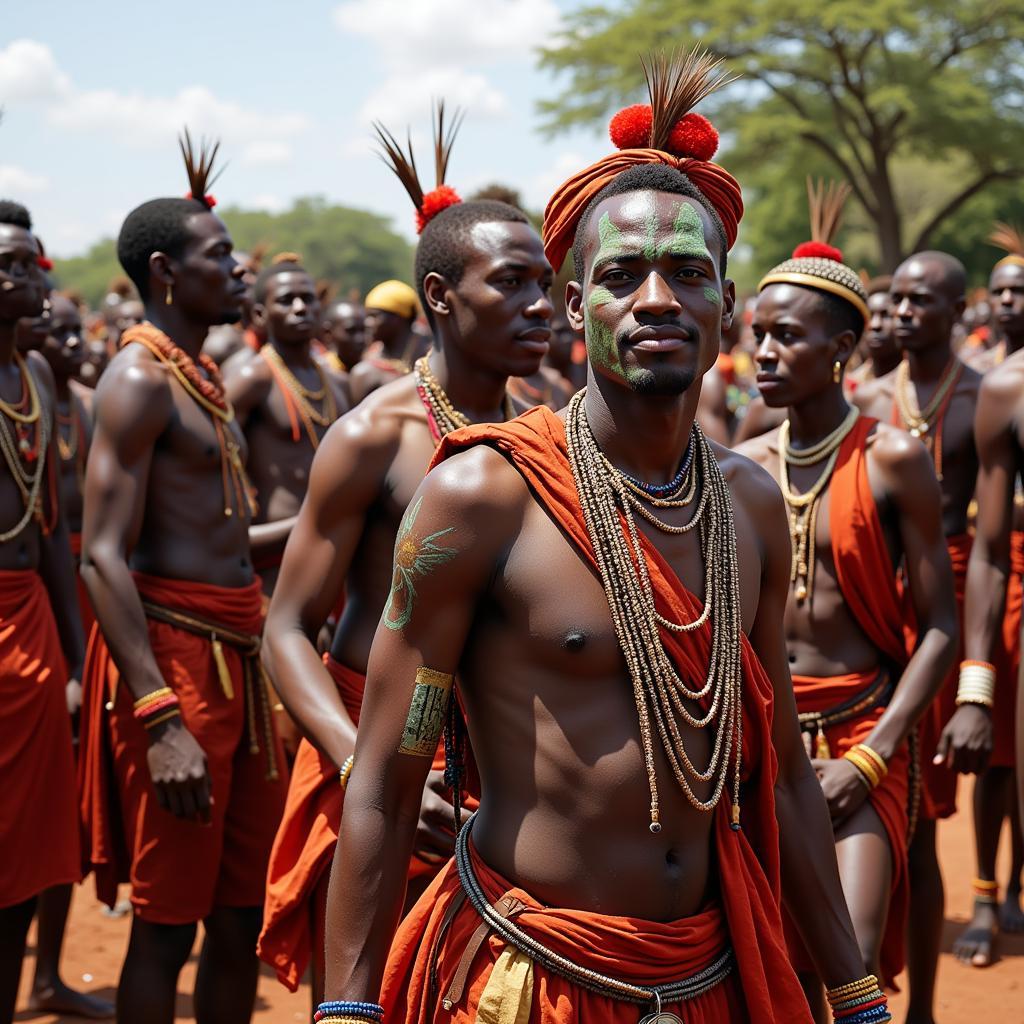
point(662, 1017)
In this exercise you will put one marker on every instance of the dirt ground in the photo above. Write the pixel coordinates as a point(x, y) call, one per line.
point(96, 943)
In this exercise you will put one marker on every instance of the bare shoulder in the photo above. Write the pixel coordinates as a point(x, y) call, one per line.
point(248, 371)
point(752, 486)
point(40, 370)
point(896, 452)
point(970, 381)
point(874, 397)
point(134, 384)
point(1004, 382)
point(761, 449)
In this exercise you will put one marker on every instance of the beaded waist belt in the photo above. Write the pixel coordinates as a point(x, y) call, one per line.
point(497, 921)
point(877, 693)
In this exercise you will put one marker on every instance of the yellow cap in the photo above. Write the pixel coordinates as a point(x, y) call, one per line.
point(394, 297)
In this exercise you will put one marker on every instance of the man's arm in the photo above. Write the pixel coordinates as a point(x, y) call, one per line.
point(346, 477)
point(462, 517)
point(811, 890)
point(363, 378)
point(133, 407)
point(966, 742)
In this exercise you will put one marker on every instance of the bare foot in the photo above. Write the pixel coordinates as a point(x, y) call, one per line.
point(61, 999)
point(1011, 917)
point(974, 945)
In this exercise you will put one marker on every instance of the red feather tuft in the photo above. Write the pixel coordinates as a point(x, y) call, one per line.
point(208, 201)
point(694, 136)
point(434, 202)
point(630, 128)
point(819, 250)
point(44, 262)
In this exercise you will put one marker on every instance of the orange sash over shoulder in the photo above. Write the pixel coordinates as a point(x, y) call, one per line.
point(38, 820)
point(747, 860)
point(1007, 661)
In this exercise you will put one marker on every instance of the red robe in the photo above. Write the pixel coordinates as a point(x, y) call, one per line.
point(38, 820)
point(747, 860)
point(1007, 661)
point(180, 870)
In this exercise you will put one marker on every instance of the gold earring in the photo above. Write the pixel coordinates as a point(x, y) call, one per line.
point(837, 371)
point(169, 295)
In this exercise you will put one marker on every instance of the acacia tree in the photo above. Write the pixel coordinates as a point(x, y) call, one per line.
point(851, 84)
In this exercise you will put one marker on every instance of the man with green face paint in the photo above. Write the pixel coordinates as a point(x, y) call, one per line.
point(645, 793)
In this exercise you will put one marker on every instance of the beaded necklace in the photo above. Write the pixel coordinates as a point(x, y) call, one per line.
point(803, 507)
point(24, 451)
point(926, 423)
point(442, 416)
point(70, 448)
point(209, 395)
point(660, 694)
point(299, 400)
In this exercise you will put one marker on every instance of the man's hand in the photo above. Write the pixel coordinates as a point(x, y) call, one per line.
point(73, 695)
point(844, 787)
point(177, 766)
point(966, 743)
point(435, 835)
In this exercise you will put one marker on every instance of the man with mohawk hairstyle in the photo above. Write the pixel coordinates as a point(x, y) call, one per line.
point(181, 768)
point(933, 395)
point(992, 614)
point(862, 498)
point(484, 281)
point(645, 790)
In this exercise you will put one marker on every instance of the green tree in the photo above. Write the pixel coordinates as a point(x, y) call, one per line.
point(353, 248)
point(852, 87)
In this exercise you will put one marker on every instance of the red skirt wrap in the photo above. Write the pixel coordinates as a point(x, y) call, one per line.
point(1007, 661)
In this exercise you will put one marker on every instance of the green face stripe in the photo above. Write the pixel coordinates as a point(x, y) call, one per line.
point(687, 238)
point(610, 238)
point(712, 295)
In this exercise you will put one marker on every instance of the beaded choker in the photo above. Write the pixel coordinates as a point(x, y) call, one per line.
point(442, 416)
point(209, 395)
point(674, 486)
point(658, 690)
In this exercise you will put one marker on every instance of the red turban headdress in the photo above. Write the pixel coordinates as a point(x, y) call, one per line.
point(664, 132)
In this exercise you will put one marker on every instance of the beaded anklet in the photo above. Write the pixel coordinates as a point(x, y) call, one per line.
point(985, 891)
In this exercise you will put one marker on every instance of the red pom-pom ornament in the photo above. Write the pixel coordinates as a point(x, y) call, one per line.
point(434, 202)
point(208, 200)
point(694, 136)
point(44, 263)
point(630, 128)
point(817, 250)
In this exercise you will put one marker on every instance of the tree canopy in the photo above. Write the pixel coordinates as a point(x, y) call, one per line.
point(864, 91)
point(353, 248)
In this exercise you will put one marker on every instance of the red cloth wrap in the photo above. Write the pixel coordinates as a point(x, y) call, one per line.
point(566, 206)
point(890, 800)
point(938, 783)
point(635, 950)
point(84, 604)
point(1006, 657)
point(179, 870)
point(38, 818)
point(747, 860)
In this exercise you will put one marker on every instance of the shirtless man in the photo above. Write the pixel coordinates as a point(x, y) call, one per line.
point(343, 332)
point(284, 399)
point(499, 575)
point(882, 353)
point(485, 283)
point(876, 505)
point(992, 622)
point(41, 642)
point(391, 310)
point(931, 393)
point(177, 740)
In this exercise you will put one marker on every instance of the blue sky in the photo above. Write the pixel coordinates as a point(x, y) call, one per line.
point(94, 92)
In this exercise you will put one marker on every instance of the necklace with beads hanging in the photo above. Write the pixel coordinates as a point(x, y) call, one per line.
point(299, 399)
point(24, 440)
point(70, 447)
point(208, 393)
point(608, 502)
point(442, 416)
point(803, 507)
point(926, 423)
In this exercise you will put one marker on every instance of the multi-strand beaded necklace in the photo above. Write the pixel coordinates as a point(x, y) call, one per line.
point(24, 448)
point(299, 400)
point(69, 439)
point(926, 423)
point(442, 416)
point(608, 500)
point(803, 507)
point(208, 393)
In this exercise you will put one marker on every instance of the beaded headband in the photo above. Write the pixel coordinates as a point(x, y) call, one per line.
point(818, 264)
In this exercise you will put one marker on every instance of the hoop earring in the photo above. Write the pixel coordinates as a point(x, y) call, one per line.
point(837, 370)
point(169, 297)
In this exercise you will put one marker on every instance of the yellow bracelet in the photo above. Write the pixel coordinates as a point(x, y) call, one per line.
point(853, 988)
point(346, 770)
point(865, 766)
point(879, 762)
point(151, 698)
point(160, 719)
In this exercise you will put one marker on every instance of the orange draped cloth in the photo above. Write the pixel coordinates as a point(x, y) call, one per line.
point(938, 783)
point(84, 604)
point(747, 860)
point(643, 952)
point(180, 870)
point(1007, 661)
point(38, 820)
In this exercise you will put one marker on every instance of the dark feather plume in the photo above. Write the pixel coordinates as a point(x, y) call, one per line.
point(199, 170)
point(402, 163)
point(444, 140)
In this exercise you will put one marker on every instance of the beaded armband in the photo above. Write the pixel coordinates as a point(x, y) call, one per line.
point(977, 684)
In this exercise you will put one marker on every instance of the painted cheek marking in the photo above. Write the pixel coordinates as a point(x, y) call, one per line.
point(712, 296)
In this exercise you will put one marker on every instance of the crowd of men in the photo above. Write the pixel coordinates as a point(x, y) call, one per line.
point(479, 653)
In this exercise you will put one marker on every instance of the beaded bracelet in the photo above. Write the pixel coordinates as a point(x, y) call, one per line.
point(851, 989)
point(339, 1011)
point(154, 695)
point(871, 765)
point(985, 891)
point(977, 683)
point(346, 771)
point(152, 723)
point(156, 706)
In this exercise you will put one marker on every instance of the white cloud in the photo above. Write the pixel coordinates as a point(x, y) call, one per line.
point(267, 151)
point(432, 33)
point(16, 181)
point(29, 71)
point(406, 97)
point(265, 201)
